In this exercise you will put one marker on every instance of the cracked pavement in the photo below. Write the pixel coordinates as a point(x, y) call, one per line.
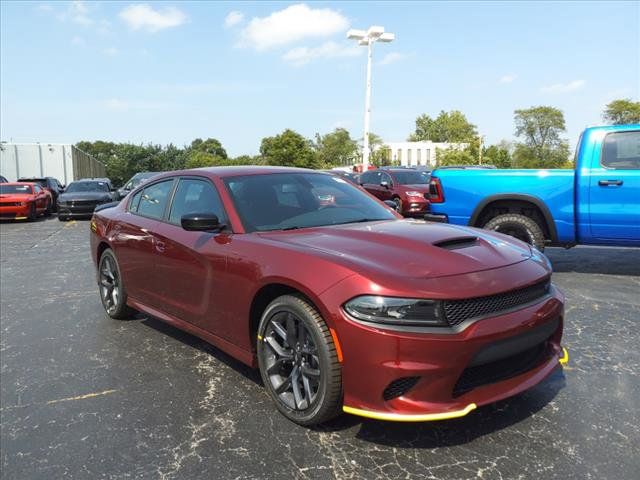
point(83, 396)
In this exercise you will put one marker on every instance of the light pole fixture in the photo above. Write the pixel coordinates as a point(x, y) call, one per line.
point(367, 38)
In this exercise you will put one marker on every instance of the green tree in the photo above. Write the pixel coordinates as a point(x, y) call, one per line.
point(336, 148)
point(289, 149)
point(446, 127)
point(198, 159)
point(540, 129)
point(498, 155)
point(622, 112)
point(211, 146)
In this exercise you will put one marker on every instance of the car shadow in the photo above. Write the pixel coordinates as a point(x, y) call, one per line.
point(602, 260)
point(201, 345)
point(483, 421)
point(446, 433)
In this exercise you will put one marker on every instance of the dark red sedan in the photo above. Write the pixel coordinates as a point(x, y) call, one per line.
point(343, 305)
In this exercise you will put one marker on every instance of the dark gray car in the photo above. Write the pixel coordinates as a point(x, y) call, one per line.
point(81, 197)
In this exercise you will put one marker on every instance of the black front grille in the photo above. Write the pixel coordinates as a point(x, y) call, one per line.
point(10, 204)
point(457, 311)
point(502, 369)
point(399, 387)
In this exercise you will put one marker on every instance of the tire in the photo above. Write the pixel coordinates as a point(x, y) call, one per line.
point(62, 218)
point(112, 292)
point(49, 209)
point(398, 207)
point(519, 226)
point(304, 398)
point(33, 213)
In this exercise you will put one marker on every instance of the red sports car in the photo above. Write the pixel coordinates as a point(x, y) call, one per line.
point(343, 305)
point(20, 200)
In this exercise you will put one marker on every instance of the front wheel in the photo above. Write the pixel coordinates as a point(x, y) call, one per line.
point(398, 207)
point(518, 226)
point(112, 292)
point(49, 209)
point(33, 213)
point(298, 361)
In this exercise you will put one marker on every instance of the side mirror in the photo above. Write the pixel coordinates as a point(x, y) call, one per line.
point(201, 222)
point(390, 204)
point(384, 184)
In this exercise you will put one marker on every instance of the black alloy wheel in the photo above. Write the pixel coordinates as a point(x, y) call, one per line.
point(398, 203)
point(112, 292)
point(49, 209)
point(298, 361)
point(33, 213)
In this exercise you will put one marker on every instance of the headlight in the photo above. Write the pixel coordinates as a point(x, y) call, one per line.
point(396, 311)
point(415, 194)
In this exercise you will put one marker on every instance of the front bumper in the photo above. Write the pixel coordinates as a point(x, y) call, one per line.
point(374, 359)
point(76, 211)
point(15, 212)
point(436, 217)
point(414, 206)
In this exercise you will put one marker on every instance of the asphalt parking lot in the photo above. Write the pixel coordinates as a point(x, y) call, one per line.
point(83, 396)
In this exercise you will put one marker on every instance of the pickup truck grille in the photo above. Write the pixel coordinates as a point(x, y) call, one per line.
point(458, 311)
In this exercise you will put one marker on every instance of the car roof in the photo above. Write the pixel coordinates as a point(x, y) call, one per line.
point(19, 183)
point(235, 171)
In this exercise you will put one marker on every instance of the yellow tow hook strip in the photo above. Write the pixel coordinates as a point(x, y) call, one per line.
point(399, 417)
point(564, 359)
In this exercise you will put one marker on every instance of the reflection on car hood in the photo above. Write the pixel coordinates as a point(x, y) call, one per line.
point(408, 248)
point(65, 197)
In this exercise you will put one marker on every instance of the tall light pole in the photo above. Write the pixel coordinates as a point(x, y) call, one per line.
point(368, 38)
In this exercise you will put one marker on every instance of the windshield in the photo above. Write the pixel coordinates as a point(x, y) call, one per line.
point(412, 177)
point(41, 181)
point(24, 189)
point(286, 201)
point(87, 187)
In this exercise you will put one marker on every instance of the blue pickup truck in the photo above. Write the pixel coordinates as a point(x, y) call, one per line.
point(598, 203)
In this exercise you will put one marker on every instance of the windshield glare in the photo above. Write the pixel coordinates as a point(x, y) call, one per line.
point(412, 178)
point(23, 189)
point(283, 201)
point(87, 187)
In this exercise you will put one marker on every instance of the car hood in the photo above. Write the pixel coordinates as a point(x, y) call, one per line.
point(65, 197)
point(409, 248)
point(8, 197)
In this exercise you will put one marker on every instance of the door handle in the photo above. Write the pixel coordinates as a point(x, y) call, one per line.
point(159, 246)
point(610, 183)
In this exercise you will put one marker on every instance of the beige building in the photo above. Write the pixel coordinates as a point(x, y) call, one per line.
point(411, 154)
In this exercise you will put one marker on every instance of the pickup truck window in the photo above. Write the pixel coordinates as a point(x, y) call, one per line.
point(621, 151)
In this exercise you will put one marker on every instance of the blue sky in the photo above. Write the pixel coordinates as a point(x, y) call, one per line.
point(171, 72)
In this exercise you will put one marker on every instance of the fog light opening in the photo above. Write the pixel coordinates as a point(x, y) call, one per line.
point(399, 387)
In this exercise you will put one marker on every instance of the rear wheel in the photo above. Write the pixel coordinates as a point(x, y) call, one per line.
point(49, 209)
point(518, 226)
point(298, 361)
point(112, 292)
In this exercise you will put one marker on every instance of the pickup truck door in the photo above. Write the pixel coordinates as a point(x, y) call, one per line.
point(614, 188)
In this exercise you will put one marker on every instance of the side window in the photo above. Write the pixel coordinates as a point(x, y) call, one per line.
point(154, 199)
point(621, 151)
point(384, 177)
point(366, 177)
point(196, 196)
point(135, 200)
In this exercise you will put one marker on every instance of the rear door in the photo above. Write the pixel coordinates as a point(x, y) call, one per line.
point(191, 266)
point(134, 241)
point(614, 190)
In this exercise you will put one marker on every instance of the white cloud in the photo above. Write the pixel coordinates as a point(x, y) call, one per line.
point(301, 55)
point(508, 78)
point(111, 51)
point(393, 57)
point(564, 87)
point(292, 24)
point(78, 12)
point(142, 16)
point(233, 18)
point(78, 41)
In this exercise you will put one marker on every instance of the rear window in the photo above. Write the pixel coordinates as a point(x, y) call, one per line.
point(8, 189)
point(621, 151)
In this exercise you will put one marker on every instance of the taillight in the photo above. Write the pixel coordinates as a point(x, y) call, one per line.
point(436, 194)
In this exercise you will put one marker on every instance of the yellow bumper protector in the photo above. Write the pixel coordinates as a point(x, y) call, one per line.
point(420, 417)
point(564, 359)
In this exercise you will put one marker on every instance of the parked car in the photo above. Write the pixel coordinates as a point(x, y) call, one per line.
point(342, 308)
point(598, 203)
point(134, 181)
point(20, 201)
point(81, 197)
point(407, 188)
point(49, 183)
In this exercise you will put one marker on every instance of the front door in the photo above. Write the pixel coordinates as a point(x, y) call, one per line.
point(614, 188)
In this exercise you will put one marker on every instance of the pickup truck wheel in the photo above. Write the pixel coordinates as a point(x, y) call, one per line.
point(518, 226)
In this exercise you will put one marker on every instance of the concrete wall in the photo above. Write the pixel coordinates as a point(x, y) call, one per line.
point(62, 161)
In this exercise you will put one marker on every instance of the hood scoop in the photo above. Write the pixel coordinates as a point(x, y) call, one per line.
point(457, 243)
